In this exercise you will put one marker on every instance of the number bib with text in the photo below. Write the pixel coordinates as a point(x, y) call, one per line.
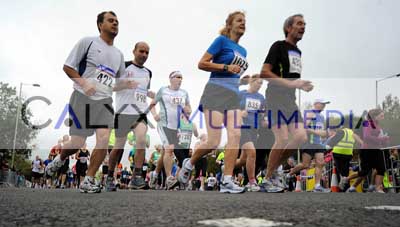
point(294, 62)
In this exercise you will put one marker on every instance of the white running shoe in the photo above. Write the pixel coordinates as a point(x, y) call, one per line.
point(321, 189)
point(54, 166)
point(153, 180)
point(89, 186)
point(171, 182)
point(252, 187)
point(230, 187)
point(184, 174)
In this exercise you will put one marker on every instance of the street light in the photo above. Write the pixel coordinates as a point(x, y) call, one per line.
point(376, 87)
point(16, 119)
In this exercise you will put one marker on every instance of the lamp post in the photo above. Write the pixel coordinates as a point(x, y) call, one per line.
point(16, 120)
point(376, 87)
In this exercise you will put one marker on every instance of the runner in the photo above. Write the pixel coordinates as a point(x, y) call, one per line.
point(314, 147)
point(154, 177)
point(253, 108)
point(81, 163)
point(173, 101)
point(370, 155)
point(185, 133)
point(282, 69)
point(131, 105)
point(93, 65)
point(226, 60)
point(202, 164)
point(36, 165)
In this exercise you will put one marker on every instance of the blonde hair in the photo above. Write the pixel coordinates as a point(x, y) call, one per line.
point(228, 22)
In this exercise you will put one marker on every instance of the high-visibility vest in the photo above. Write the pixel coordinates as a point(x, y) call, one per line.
point(346, 145)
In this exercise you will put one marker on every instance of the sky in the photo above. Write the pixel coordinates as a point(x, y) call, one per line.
point(347, 46)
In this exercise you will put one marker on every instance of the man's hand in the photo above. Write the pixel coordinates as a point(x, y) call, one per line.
point(304, 85)
point(151, 94)
point(88, 88)
point(157, 117)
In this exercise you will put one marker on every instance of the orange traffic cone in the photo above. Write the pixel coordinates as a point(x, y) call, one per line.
point(334, 182)
point(298, 184)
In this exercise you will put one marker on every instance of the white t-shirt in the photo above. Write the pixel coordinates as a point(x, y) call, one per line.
point(36, 166)
point(171, 102)
point(105, 64)
point(128, 97)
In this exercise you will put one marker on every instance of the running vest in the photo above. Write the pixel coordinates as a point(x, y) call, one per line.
point(317, 124)
point(346, 145)
point(185, 133)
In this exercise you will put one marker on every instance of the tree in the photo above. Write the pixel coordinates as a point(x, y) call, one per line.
point(391, 124)
point(8, 113)
point(391, 107)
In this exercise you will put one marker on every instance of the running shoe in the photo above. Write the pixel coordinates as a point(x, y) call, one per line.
point(89, 186)
point(137, 182)
point(342, 183)
point(321, 189)
point(371, 188)
point(54, 166)
point(270, 187)
point(278, 181)
point(171, 183)
point(110, 185)
point(252, 187)
point(152, 181)
point(230, 187)
point(351, 189)
point(185, 172)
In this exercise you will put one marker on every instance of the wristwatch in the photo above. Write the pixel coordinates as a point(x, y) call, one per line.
point(225, 69)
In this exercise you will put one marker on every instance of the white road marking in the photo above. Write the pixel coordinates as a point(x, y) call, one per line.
point(383, 208)
point(243, 222)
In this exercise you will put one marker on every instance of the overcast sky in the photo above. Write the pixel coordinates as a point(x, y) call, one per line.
point(346, 47)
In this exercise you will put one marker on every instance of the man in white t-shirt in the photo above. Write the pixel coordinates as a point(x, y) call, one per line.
point(173, 100)
point(95, 65)
point(131, 110)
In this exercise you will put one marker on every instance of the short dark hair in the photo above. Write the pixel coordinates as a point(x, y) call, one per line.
point(100, 17)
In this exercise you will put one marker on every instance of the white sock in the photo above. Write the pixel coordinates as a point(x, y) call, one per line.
point(317, 185)
point(89, 178)
point(227, 178)
point(189, 165)
point(352, 187)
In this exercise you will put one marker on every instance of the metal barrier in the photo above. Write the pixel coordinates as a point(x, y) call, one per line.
point(393, 168)
point(9, 178)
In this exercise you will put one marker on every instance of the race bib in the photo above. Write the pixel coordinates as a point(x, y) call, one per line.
point(105, 77)
point(185, 137)
point(140, 95)
point(240, 61)
point(83, 159)
point(253, 104)
point(294, 62)
point(177, 100)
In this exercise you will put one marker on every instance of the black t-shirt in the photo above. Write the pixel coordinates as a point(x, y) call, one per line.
point(285, 59)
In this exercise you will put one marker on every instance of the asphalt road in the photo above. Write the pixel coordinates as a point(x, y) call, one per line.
point(56, 207)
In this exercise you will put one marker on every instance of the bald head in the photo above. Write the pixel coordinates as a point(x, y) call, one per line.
point(141, 53)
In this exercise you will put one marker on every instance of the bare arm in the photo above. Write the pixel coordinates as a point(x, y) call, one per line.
point(88, 88)
point(206, 64)
point(358, 139)
point(266, 73)
point(195, 130)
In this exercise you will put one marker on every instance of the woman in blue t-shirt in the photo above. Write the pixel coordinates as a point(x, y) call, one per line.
point(220, 103)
